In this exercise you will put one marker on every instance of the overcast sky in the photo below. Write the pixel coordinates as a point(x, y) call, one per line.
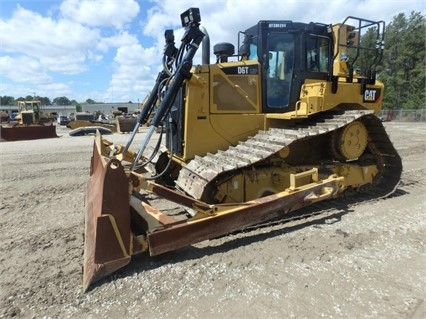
point(110, 50)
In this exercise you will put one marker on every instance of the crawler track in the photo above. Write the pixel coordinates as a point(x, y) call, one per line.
point(201, 172)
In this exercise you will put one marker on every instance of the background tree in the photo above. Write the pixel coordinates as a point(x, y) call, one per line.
point(366, 57)
point(45, 101)
point(62, 100)
point(7, 100)
point(403, 67)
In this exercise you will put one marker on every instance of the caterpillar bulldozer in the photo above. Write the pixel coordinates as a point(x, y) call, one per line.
point(286, 122)
point(30, 124)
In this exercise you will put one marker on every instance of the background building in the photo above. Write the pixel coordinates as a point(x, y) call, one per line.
point(108, 108)
point(59, 109)
point(105, 108)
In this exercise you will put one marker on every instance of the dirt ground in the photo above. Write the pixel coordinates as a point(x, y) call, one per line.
point(360, 261)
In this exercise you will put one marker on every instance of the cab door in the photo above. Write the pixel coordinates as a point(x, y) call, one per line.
point(278, 75)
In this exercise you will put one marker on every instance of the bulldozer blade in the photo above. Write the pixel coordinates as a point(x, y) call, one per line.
point(110, 209)
point(30, 132)
point(108, 239)
point(232, 218)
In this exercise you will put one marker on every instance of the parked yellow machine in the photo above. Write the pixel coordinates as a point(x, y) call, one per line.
point(285, 124)
point(31, 123)
point(121, 124)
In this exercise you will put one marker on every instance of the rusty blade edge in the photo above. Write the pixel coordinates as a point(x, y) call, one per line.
point(184, 234)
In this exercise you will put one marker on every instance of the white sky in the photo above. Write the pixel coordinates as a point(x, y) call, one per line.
point(110, 50)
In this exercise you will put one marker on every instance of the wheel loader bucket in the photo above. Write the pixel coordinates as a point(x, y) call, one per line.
point(108, 240)
point(30, 132)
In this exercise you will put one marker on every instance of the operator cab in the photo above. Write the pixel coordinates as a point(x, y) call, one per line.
point(29, 111)
point(289, 53)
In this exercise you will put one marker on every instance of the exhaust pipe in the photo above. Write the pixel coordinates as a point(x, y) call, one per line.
point(205, 48)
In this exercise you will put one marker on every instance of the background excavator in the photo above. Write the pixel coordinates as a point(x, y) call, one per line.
point(287, 122)
point(31, 123)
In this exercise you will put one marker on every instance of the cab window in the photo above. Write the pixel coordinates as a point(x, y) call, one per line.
point(253, 52)
point(280, 69)
point(317, 51)
point(281, 55)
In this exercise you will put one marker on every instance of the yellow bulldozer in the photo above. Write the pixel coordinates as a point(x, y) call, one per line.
point(286, 122)
point(31, 123)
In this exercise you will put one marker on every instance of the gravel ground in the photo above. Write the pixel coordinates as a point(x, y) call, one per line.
point(360, 261)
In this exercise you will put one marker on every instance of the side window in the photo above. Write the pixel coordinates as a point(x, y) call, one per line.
point(317, 50)
point(253, 52)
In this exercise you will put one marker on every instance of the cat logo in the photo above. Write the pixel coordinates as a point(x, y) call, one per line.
point(371, 95)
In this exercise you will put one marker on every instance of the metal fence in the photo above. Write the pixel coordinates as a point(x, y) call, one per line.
point(404, 115)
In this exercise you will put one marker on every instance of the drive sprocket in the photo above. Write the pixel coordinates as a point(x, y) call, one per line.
point(349, 142)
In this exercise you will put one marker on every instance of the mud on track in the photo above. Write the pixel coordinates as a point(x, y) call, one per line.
point(361, 260)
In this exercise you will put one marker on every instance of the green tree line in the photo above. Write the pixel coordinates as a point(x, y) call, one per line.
point(61, 100)
point(403, 69)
